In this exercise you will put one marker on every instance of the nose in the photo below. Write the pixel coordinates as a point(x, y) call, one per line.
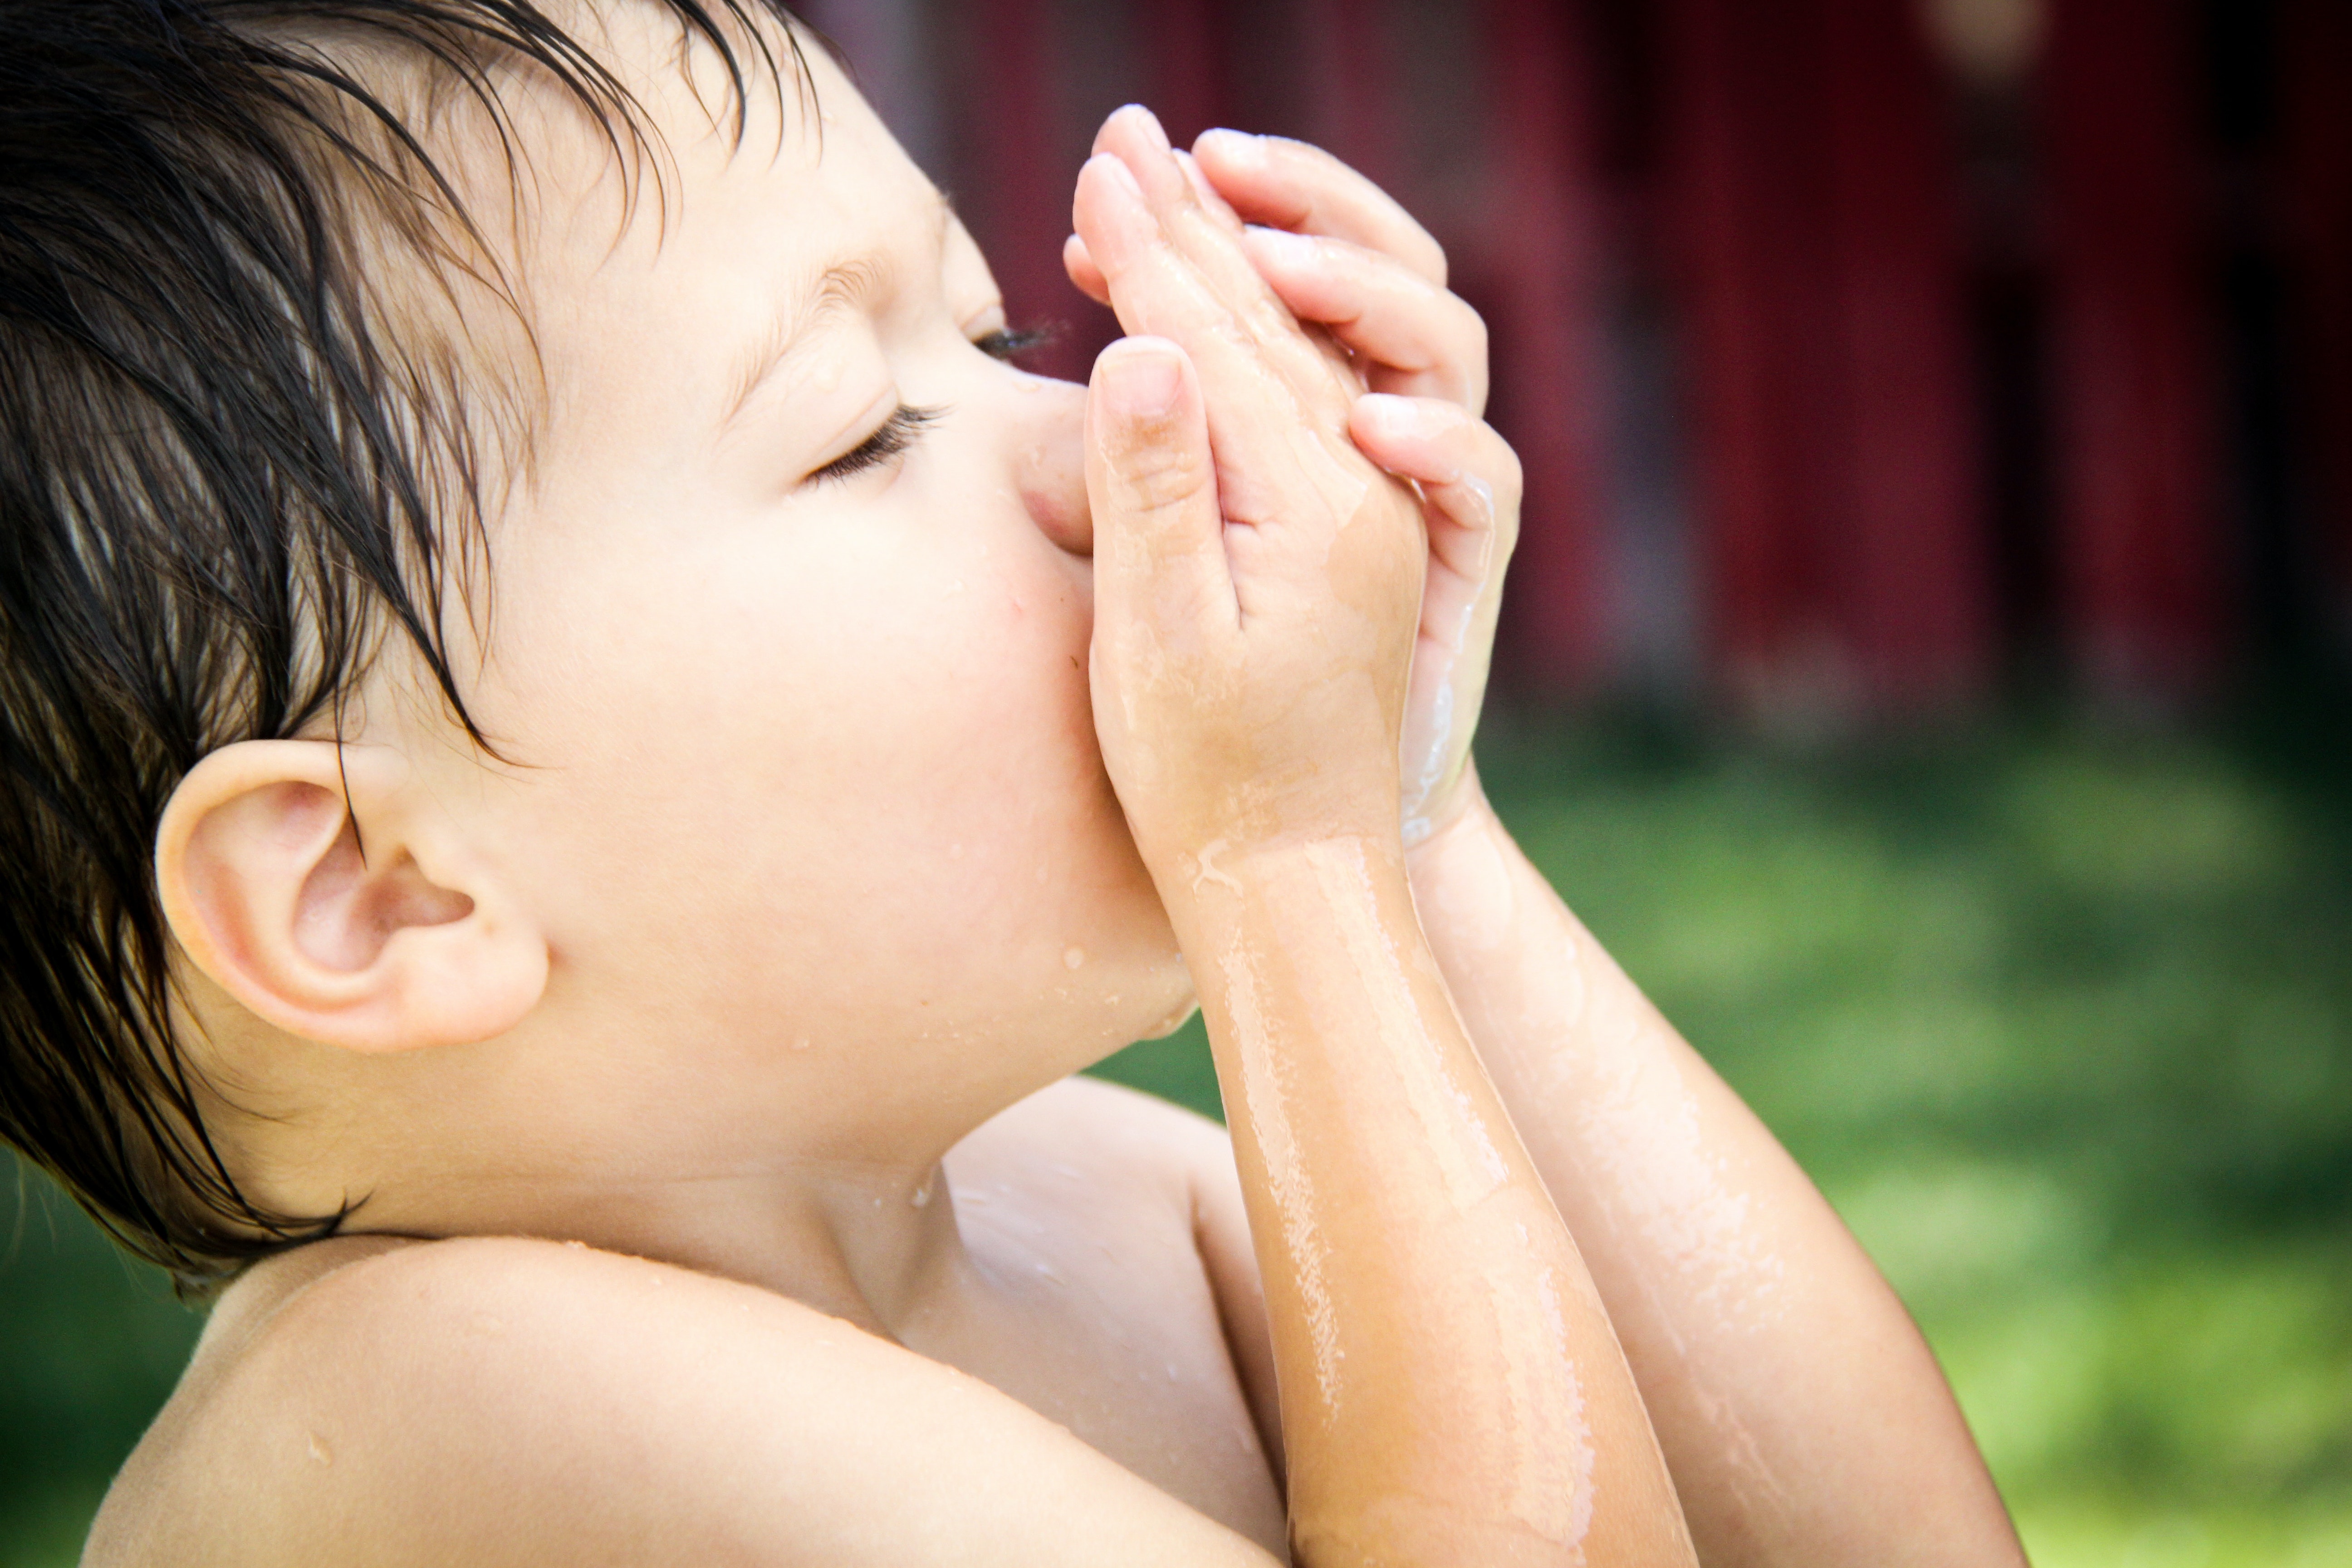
point(1050, 462)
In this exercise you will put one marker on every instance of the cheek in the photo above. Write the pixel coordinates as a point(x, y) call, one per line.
point(952, 825)
point(957, 680)
point(976, 738)
point(871, 767)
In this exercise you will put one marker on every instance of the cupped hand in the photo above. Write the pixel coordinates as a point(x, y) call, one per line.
point(1257, 575)
point(1344, 257)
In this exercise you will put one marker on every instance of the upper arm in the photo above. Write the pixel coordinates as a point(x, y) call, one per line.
point(496, 1402)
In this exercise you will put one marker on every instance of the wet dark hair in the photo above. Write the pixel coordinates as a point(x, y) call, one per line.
point(228, 471)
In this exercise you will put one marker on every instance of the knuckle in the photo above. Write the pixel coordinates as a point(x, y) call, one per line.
point(1263, 319)
point(1504, 473)
point(1474, 337)
point(1433, 261)
point(1160, 475)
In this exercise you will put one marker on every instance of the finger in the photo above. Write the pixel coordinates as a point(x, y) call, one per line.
point(1274, 181)
point(1470, 482)
point(1144, 130)
point(1418, 339)
point(1268, 433)
point(1214, 249)
point(1160, 571)
point(1211, 201)
point(1154, 286)
point(1159, 291)
point(1134, 135)
point(1469, 385)
point(1468, 475)
point(1079, 263)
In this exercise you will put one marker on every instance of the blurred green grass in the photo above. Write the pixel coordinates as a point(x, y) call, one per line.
point(2060, 1019)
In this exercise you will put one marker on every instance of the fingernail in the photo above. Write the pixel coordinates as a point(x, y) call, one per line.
point(1397, 414)
point(1140, 381)
point(1294, 250)
point(1119, 174)
point(1235, 147)
point(1398, 418)
point(1152, 128)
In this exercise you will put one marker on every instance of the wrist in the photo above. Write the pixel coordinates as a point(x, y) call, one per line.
point(1207, 858)
point(1292, 901)
point(1466, 821)
point(1472, 886)
point(1313, 942)
point(1223, 876)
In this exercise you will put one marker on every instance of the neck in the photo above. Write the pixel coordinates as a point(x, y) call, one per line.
point(860, 1227)
point(869, 1243)
point(750, 1177)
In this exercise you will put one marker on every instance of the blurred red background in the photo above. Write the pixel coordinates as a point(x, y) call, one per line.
point(1869, 358)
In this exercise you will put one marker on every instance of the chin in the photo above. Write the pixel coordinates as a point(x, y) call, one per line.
point(1121, 1000)
point(1161, 1002)
point(1175, 1020)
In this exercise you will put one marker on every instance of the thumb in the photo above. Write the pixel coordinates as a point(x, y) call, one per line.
point(1151, 483)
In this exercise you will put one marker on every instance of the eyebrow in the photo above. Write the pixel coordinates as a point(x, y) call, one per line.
point(845, 286)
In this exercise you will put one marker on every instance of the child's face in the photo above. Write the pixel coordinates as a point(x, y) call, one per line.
point(802, 760)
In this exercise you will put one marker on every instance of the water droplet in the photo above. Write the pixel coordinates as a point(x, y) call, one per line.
point(1073, 958)
point(801, 1044)
point(922, 1195)
point(1047, 1271)
point(319, 1451)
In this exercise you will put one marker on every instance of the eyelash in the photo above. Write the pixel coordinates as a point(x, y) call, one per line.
point(906, 424)
point(1006, 343)
point(898, 433)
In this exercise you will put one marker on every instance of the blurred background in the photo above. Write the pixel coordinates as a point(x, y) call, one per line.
point(1926, 667)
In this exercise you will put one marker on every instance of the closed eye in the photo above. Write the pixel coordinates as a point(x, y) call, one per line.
point(894, 435)
point(1011, 343)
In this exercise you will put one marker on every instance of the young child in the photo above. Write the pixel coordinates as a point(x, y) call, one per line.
point(585, 757)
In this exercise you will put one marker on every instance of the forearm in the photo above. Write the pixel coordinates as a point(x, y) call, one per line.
point(1451, 1391)
point(1803, 1415)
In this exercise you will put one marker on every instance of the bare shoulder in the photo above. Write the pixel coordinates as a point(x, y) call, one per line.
point(1112, 1130)
point(1099, 1157)
point(497, 1401)
point(1090, 1150)
point(1120, 1156)
point(1126, 1146)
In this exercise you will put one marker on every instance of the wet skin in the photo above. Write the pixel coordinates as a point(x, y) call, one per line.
point(815, 806)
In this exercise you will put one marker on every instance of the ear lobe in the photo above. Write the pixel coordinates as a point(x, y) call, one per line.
point(360, 926)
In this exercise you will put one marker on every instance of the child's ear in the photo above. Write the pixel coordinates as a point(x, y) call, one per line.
point(363, 925)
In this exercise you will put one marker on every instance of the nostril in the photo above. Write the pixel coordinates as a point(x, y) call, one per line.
point(1060, 514)
point(1051, 470)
